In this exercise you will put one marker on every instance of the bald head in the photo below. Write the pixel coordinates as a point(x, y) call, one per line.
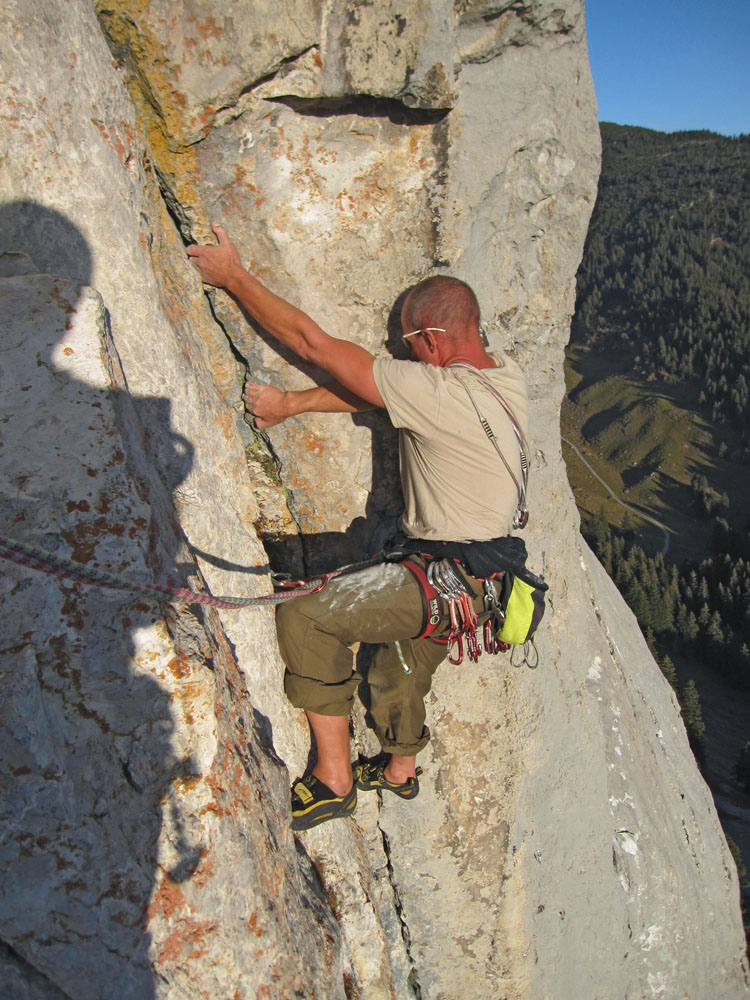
point(443, 302)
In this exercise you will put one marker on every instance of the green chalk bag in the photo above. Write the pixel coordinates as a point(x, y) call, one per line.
point(523, 605)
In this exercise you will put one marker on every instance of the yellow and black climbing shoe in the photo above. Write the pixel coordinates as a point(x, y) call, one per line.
point(369, 776)
point(313, 803)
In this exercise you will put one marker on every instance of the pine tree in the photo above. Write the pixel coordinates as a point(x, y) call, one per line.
point(668, 669)
point(692, 715)
point(599, 529)
point(715, 630)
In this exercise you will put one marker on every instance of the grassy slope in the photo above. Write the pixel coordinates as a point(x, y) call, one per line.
point(646, 439)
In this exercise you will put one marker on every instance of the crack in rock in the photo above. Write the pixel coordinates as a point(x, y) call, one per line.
point(413, 978)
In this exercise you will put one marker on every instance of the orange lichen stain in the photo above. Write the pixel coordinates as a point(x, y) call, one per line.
point(174, 314)
point(82, 505)
point(70, 609)
point(207, 115)
point(224, 423)
point(252, 925)
point(212, 807)
point(113, 141)
point(82, 539)
point(99, 126)
point(209, 28)
point(187, 941)
point(297, 482)
point(59, 299)
point(314, 443)
point(85, 712)
point(179, 98)
point(205, 871)
point(168, 900)
point(179, 666)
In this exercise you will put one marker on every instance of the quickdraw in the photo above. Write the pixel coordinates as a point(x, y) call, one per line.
point(463, 619)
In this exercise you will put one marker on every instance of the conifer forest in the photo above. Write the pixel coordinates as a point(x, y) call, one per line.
point(663, 321)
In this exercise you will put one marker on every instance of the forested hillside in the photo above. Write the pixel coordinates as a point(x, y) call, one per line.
point(664, 291)
point(659, 402)
point(666, 270)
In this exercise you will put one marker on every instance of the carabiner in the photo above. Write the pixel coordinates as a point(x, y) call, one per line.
point(455, 637)
point(491, 642)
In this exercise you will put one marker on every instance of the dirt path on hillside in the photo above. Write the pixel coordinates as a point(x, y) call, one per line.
point(617, 500)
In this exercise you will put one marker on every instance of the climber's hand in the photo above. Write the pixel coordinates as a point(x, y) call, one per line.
point(218, 265)
point(266, 403)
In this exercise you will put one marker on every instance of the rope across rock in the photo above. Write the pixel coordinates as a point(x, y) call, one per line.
point(40, 559)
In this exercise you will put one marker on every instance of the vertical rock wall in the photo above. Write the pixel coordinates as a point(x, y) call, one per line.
point(564, 843)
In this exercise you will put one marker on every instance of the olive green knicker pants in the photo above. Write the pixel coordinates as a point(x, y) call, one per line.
point(382, 604)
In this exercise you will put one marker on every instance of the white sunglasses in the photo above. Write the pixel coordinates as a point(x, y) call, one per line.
point(426, 329)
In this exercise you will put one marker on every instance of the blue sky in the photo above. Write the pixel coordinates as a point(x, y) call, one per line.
point(672, 64)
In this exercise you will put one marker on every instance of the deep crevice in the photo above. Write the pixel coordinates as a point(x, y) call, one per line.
point(183, 225)
point(176, 212)
point(363, 107)
point(413, 978)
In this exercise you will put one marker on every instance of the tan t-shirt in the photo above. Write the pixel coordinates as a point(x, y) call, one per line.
point(455, 485)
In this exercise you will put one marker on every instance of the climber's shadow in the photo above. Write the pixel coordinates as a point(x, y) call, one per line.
point(88, 739)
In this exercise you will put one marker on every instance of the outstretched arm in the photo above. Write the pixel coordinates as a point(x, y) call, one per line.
point(270, 406)
point(350, 364)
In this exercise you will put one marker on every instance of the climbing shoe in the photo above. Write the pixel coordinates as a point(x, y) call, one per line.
point(369, 775)
point(314, 803)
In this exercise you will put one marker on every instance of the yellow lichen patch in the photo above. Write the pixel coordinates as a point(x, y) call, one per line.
point(128, 25)
point(150, 81)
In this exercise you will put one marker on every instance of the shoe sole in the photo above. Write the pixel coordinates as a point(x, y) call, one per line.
point(410, 792)
point(321, 812)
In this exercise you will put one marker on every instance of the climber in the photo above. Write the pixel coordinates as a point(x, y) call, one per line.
point(455, 490)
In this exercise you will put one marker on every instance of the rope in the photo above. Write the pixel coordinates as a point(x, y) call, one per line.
point(47, 562)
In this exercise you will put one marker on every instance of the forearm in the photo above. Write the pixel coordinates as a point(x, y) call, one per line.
point(285, 322)
point(330, 398)
point(350, 364)
point(271, 406)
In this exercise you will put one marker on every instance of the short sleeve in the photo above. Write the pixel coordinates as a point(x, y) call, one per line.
point(411, 393)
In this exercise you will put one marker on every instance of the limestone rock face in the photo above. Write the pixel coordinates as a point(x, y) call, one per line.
point(564, 843)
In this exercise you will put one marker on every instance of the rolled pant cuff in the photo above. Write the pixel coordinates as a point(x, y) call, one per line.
point(406, 749)
point(324, 699)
